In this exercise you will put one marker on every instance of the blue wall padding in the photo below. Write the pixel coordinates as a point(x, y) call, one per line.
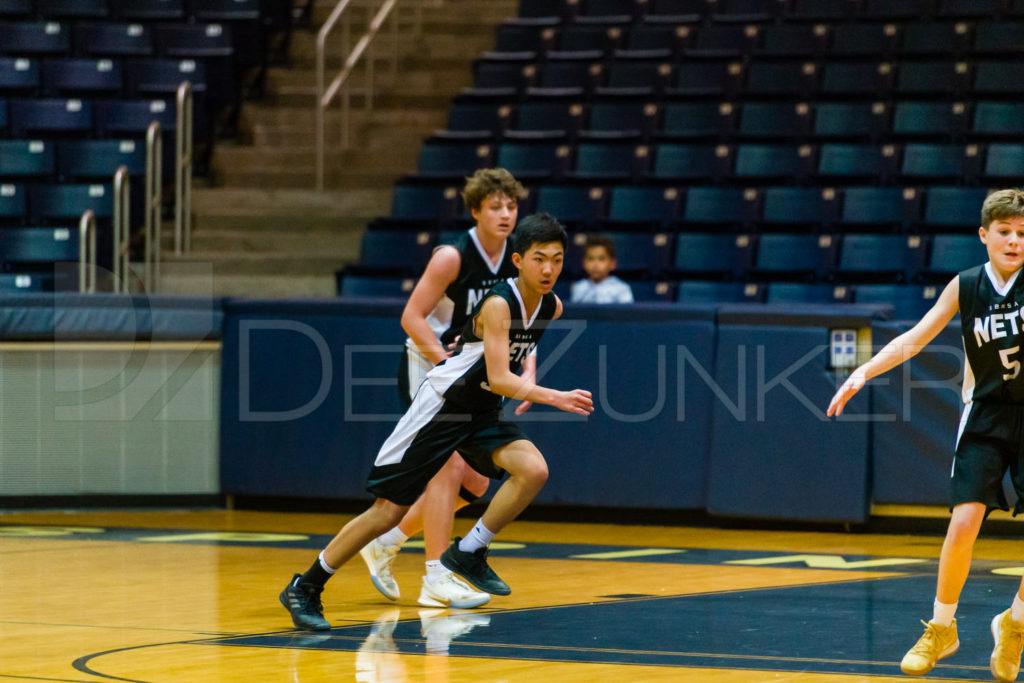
point(776, 455)
point(915, 422)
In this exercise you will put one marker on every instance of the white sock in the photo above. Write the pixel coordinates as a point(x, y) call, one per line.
point(942, 614)
point(435, 570)
point(478, 537)
point(1017, 610)
point(393, 537)
point(323, 564)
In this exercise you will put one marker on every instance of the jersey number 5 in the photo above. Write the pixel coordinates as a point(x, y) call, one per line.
point(1012, 365)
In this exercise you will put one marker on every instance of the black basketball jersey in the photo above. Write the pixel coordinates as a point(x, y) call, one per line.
point(476, 277)
point(462, 378)
point(993, 328)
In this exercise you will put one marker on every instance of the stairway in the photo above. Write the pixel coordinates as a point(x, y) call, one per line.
point(260, 230)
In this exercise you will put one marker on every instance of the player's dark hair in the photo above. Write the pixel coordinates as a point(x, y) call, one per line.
point(1001, 205)
point(594, 241)
point(487, 181)
point(538, 228)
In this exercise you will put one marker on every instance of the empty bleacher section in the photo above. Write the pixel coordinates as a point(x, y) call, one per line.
point(874, 127)
point(80, 83)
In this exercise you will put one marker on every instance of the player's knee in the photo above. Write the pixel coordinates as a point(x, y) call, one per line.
point(535, 470)
point(474, 482)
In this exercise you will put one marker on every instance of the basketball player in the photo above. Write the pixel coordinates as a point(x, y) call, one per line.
point(455, 279)
point(458, 408)
point(990, 299)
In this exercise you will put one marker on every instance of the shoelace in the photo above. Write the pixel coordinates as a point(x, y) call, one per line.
point(927, 644)
point(312, 602)
point(1014, 636)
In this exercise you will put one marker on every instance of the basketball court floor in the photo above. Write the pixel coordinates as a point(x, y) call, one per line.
point(162, 596)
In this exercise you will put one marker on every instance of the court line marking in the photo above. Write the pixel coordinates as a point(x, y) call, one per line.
point(619, 554)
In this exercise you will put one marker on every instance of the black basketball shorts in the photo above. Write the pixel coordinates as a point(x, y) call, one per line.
point(989, 443)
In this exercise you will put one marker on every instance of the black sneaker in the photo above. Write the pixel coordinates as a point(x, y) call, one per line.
point(473, 568)
point(303, 602)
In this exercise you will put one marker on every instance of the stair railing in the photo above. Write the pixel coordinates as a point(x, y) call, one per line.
point(154, 202)
point(183, 170)
point(87, 253)
point(122, 225)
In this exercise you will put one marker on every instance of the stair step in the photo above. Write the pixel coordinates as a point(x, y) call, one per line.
point(294, 205)
point(182, 282)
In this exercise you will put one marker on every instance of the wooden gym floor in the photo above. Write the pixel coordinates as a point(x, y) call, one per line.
point(161, 596)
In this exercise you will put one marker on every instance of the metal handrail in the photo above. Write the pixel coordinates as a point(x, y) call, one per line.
point(324, 94)
point(154, 201)
point(122, 222)
point(87, 253)
point(183, 170)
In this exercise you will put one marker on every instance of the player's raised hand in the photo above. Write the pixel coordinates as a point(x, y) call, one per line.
point(850, 387)
point(576, 401)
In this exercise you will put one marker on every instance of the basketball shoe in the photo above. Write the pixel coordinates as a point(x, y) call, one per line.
point(1009, 637)
point(379, 558)
point(473, 568)
point(302, 600)
point(937, 642)
point(450, 591)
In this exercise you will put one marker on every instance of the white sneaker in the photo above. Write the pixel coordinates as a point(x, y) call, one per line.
point(378, 558)
point(449, 590)
point(378, 659)
point(440, 627)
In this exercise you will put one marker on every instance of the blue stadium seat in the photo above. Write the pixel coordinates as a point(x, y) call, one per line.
point(940, 121)
point(863, 40)
point(794, 256)
point(652, 291)
point(852, 162)
point(1004, 162)
point(998, 120)
point(576, 206)
point(805, 41)
point(35, 38)
point(698, 292)
point(580, 73)
point(804, 293)
point(4, 122)
point(791, 79)
point(710, 255)
point(132, 117)
point(528, 36)
point(496, 71)
point(414, 203)
point(951, 254)
point(778, 121)
point(720, 207)
point(13, 203)
point(879, 208)
point(621, 120)
point(639, 206)
point(397, 249)
point(702, 78)
point(374, 287)
point(990, 77)
point(678, 11)
point(998, 38)
point(746, 11)
point(610, 160)
point(36, 246)
point(852, 121)
point(16, 8)
point(948, 78)
point(935, 39)
point(478, 116)
point(561, 119)
point(896, 9)
point(647, 255)
point(73, 9)
point(148, 10)
point(104, 39)
point(149, 77)
point(792, 209)
point(234, 11)
point(579, 37)
point(452, 159)
point(542, 8)
point(27, 159)
point(100, 159)
point(68, 77)
point(821, 10)
point(67, 202)
point(685, 120)
point(877, 258)
point(862, 79)
point(774, 163)
point(672, 38)
point(931, 163)
point(910, 302)
point(19, 76)
point(953, 209)
point(718, 40)
point(969, 9)
point(52, 117)
point(691, 162)
point(530, 160)
point(641, 78)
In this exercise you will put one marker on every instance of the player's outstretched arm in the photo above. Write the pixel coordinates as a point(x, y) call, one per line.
point(492, 324)
point(441, 271)
point(902, 348)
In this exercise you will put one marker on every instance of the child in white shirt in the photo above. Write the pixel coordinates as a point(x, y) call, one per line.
point(600, 286)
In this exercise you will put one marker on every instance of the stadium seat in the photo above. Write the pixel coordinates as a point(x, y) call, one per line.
point(578, 36)
point(52, 117)
point(583, 72)
point(516, 36)
point(939, 121)
point(712, 255)
point(678, 11)
point(19, 76)
point(401, 250)
point(133, 117)
point(1004, 163)
point(100, 159)
point(951, 254)
point(452, 159)
point(37, 246)
point(559, 119)
point(791, 79)
point(777, 121)
point(476, 116)
point(879, 258)
point(501, 71)
point(935, 39)
point(686, 120)
point(621, 120)
point(640, 78)
point(691, 162)
point(698, 292)
point(633, 207)
point(702, 78)
point(998, 39)
point(852, 162)
point(530, 160)
point(896, 9)
point(773, 163)
point(13, 203)
point(805, 41)
point(652, 291)
point(793, 257)
point(374, 287)
point(24, 159)
point(868, 79)
point(991, 77)
point(746, 11)
point(864, 40)
point(998, 120)
point(82, 77)
point(672, 38)
point(4, 122)
point(610, 160)
point(820, 10)
point(718, 40)
point(148, 10)
point(153, 77)
point(576, 206)
point(415, 203)
point(879, 208)
point(646, 255)
point(718, 207)
point(948, 78)
point(16, 8)
point(542, 8)
point(910, 302)
point(73, 9)
point(852, 121)
point(103, 39)
point(931, 163)
point(953, 209)
point(972, 9)
point(805, 293)
point(34, 38)
point(792, 209)
point(67, 202)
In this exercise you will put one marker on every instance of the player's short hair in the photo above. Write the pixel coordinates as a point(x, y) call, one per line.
point(538, 228)
point(594, 241)
point(1002, 204)
point(487, 181)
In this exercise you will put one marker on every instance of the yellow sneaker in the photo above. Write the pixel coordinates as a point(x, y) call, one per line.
point(1009, 637)
point(936, 643)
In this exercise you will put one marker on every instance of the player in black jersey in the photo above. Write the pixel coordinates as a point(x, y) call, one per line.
point(454, 281)
point(458, 408)
point(990, 299)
